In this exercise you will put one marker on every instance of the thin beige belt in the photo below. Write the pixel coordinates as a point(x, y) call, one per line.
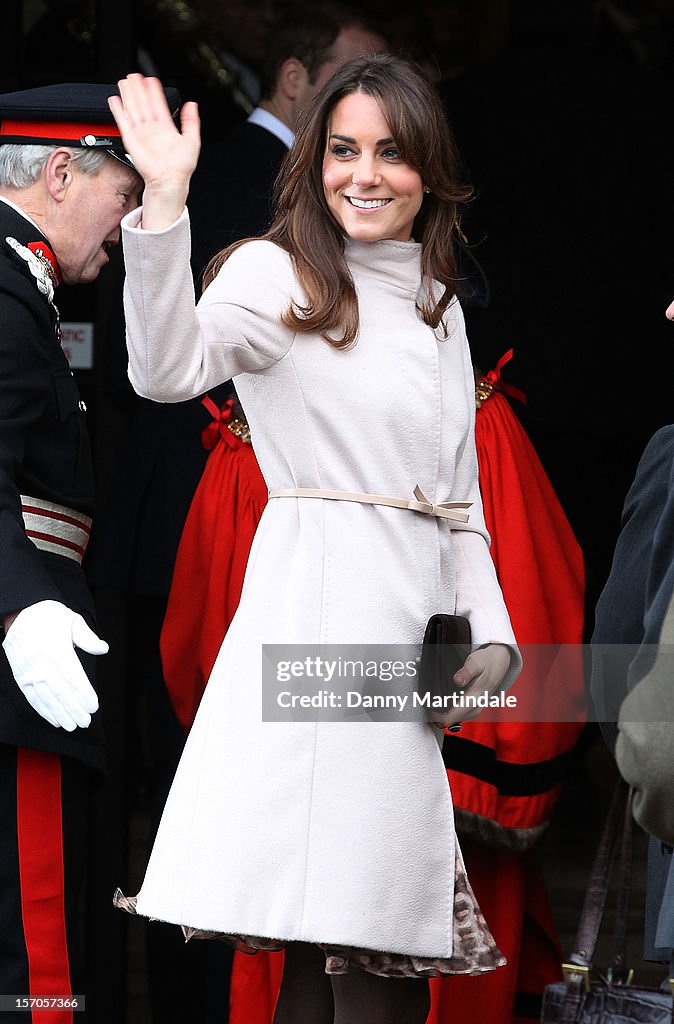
point(445, 510)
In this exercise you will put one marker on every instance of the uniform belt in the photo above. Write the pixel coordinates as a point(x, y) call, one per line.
point(420, 503)
point(56, 528)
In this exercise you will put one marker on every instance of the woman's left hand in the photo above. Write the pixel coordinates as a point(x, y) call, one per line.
point(482, 671)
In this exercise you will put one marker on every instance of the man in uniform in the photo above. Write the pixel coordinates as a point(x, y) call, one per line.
point(65, 184)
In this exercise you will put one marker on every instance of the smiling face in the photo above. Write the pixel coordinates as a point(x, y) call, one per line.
point(90, 215)
point(369, 189)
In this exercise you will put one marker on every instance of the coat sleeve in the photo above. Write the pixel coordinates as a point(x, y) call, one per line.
point(177, 352)
point(25, 383)
point(478, 594)
point(643, 750)
point(631, 607)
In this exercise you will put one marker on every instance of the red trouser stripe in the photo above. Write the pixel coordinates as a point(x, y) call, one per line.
point(40, 840)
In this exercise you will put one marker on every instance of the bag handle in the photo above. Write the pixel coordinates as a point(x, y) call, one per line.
point(618, 830)
point(618, 973)
point(577, 969)
point(597, 889)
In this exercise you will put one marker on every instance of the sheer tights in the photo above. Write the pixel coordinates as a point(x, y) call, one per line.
point(310, 996)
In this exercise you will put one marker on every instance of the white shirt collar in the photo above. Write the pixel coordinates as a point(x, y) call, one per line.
point(264, 119)
point(8, 202)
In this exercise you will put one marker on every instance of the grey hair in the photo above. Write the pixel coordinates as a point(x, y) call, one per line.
point(21, 166)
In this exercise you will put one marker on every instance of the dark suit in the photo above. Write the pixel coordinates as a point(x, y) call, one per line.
point(631, 611)
point(633, 602)
point(230, 194)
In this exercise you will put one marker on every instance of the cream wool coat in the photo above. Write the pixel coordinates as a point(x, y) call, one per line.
point(339, 833)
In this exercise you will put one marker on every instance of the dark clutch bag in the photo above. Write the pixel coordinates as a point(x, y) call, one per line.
point(445, 647)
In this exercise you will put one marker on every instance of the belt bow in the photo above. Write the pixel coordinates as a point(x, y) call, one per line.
point(446, 509)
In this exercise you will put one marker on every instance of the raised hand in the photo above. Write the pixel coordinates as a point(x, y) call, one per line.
point(162, 155)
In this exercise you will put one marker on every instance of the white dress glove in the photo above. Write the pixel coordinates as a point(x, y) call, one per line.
point(40, 648)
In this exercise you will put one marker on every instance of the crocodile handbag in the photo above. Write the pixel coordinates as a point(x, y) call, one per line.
point(609, 998)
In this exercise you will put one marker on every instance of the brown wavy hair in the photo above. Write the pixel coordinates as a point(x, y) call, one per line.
point(305, 227)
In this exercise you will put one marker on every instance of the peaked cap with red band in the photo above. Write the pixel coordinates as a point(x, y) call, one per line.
point(68, 114)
